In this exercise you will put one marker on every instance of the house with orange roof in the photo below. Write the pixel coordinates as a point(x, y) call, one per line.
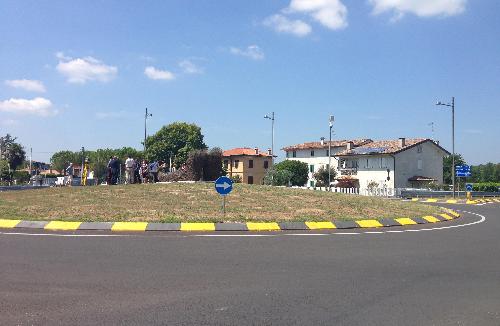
point(398, 163)
point(250, 165)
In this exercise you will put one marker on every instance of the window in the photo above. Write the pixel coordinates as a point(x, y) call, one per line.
point(266, 164)
point(312, 153)
point(419, 164)
point(236, 163)
point(311, 168)
point(287, 154)
point(250, 180)
point(226, 164)
point(294, 154)
point(250, 164)
point(327, 153)
point(419, 149)
point(311, 184)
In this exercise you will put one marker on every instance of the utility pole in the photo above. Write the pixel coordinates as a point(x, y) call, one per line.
point(83, 162)
point(272, 132)
point(31, 162)
point(452, 105)
point(145, 127)
point(330, 123)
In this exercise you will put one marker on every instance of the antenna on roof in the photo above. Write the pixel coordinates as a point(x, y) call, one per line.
point(432, 128)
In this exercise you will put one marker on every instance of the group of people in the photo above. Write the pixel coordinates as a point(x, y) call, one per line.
point(142, 172)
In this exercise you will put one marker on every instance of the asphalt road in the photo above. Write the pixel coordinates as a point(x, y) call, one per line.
point(448, 276)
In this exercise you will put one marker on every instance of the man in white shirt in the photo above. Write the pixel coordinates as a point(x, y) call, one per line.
point(129, 170)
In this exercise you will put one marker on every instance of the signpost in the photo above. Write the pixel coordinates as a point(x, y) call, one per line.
point(462, 171)
point(468, 186)
point(223, 185)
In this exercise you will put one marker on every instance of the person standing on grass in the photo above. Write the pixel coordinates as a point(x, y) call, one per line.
point(137, 171)
point(109, 173)
point(116, 170)
point(129, 170)
point(153, 169)
point(144, 171)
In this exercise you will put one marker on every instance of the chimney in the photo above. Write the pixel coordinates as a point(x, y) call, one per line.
point(322, 141)
point(402, 142)
point(269, 152)
point(350, 145)
point(256, 151)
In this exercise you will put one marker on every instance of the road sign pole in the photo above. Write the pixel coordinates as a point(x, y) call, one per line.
point(224, 205)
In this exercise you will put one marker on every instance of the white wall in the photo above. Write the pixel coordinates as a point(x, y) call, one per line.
point(320, 159)
point(431, 157)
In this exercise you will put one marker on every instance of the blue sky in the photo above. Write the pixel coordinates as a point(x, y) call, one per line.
point(81, 73)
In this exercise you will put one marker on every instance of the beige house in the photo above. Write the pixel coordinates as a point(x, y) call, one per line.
point(251, 165)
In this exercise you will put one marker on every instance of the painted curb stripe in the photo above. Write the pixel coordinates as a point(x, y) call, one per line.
point(452, 201)
point(267, 226)
point(446, 216)
point(405, 221)
point(320, 225)
point(414, 199)
point(129, 226)
point(430, 219)
point(197, 226)
point(471, 202)
point(61, 225)
point(9, 224)
point(454, 213)
point(369, 224)
point(431, 200)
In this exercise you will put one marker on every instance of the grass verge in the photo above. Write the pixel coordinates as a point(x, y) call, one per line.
point(198, 202)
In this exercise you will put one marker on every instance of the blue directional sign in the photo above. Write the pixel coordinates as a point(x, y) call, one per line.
point(468, 186)
point(223, 185)
point(462, 171)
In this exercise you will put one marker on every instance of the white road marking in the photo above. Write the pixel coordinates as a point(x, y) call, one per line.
point(184, 235)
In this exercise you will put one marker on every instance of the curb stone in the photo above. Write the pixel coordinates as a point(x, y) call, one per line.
point(249, 226)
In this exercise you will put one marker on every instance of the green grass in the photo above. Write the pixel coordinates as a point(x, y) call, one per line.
point(182, 202)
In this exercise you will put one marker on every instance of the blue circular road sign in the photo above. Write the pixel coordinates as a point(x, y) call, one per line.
point(223, 185)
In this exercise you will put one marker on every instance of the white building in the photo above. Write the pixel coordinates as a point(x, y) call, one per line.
point(400, 163)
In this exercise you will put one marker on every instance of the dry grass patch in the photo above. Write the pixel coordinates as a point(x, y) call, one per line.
point(182, 202)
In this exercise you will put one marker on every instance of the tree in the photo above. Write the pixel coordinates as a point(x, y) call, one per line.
point(321, 176)
point(298, 169)
point(60, 160)
point(447, 163)
point(177, 140)
point(11, 151)
point(277, 178)
point(205, 165)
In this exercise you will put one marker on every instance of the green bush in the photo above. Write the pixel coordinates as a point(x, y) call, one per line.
point(298, 169)
point(486, 186)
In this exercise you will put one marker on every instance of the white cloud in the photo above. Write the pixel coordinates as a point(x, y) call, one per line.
point(27, 84)
point(37, 106)
point(110, 115)
point(253, 52)
point(158, 74)
point(282, 24)
point(421, 8)
point(82, 70)
point(189, 67)
point(329, 13)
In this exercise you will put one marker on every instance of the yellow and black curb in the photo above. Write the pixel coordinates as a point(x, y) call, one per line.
point(456, 201)
point(248, 226)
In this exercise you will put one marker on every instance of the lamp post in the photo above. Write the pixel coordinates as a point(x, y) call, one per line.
point(452, 106)
point(330, 123)
point(272, 133)
point(145, 126)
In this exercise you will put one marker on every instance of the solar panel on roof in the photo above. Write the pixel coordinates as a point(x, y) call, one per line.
point(369, 150)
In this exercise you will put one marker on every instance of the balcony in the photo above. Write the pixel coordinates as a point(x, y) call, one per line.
point(348, 171)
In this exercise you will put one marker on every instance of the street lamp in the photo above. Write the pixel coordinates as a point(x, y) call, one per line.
point(452, 106)
point(330, 123)
point(145, 126)
point(272, 132)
